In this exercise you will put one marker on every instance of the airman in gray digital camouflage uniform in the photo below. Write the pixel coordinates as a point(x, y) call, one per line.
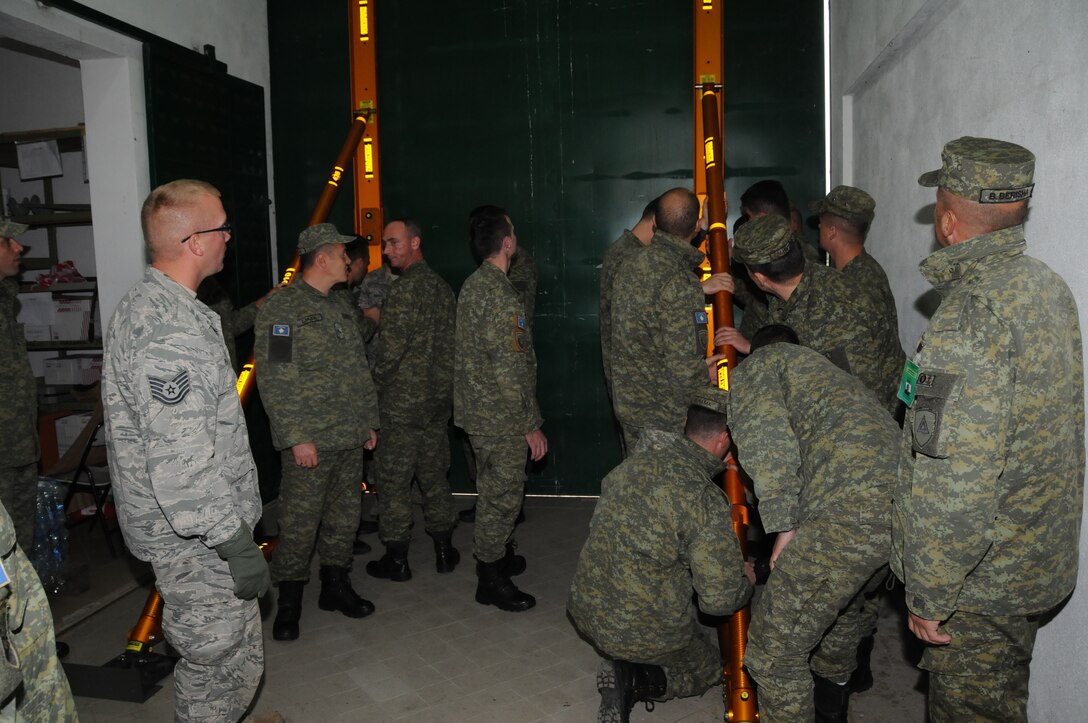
point(815, 442)
point(183, 475)
point(19, 390)
point(661, 530)
point(987, 514)
point(494, 393)
point(659, 332)
point(33, 686)
point(817, 303)
point(316, 387)
point(413, 372)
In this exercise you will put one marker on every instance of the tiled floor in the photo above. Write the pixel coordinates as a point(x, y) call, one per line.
point(431, 653)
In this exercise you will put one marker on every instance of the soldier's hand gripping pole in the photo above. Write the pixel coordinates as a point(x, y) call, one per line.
point(148, 630)
point(739, 689)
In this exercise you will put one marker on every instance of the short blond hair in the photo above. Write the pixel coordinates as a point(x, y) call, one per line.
point(171, 196)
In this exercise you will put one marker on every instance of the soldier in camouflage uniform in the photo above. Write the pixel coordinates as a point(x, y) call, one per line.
point(817, 303)
point(845, 215)
point(183, 475)
point(316, 387)
point(628, 243)
point(814, 441)
point(418, 321)
point(987, 513)
point(19, 390)
point(524, 275)
point(661, 530)
point(659, 324)
point(33, 686)
point(494, 393)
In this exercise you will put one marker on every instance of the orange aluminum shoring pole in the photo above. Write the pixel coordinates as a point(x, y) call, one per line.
point(364, 92)
point(320, 213)
point(739, 689)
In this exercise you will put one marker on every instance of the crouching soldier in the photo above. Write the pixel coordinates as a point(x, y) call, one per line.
point(661, 529)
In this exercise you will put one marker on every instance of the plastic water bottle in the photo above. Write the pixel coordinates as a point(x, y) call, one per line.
point(41, 556)
point(58, 541)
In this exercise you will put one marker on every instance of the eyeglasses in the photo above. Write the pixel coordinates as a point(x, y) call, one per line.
point(225, 228)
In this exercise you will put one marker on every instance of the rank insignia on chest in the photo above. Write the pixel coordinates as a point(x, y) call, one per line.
point(281, 330)
point(519, 321)
point(701, 318)
point(170, 391)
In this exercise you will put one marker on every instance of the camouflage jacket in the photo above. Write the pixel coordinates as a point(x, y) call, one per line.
point(234, 321)
point(830, 318)
point(988, 507)
point(661, 528)
point(524, 276)
point(870, 285)
point(18, 387)
point(414, 367)
point(808, 434)
point(619, 251)
point(494, 379)
point(659, 334)
point(370, 294)
point(312, 371)
point(175, 433)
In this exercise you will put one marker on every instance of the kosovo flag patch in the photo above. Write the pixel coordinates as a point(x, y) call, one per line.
point(170, 391)
point(701, 318)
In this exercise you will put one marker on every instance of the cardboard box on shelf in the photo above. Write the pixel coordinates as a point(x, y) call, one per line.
point(71, 318)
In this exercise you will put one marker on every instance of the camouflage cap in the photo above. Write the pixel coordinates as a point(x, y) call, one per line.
point(853, 204)
point(984, 170)
point(762, 240)
point(319, 235)
point(712, 398)
point(10, 229)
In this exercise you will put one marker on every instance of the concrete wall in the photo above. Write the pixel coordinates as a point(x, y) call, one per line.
point(113, 98)
point(909, 75)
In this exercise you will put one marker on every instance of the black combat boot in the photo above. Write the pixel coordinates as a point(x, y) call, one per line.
point(393, 565)
point(621, 684)
point(446, 555)
point(512, 564)
point(830, 700)
point(861, 679)
point(289, 610)
point(494, 588)
point(336, 593)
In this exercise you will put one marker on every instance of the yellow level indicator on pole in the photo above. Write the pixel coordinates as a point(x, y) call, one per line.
point(723, 374)
point(368, 157)
point(708, 152)
point(364, 21)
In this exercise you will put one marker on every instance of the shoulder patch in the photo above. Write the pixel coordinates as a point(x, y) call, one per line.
point(701, 318)
point(280, 344)
point(519, 321)
point(170, 391)
point(281, 330)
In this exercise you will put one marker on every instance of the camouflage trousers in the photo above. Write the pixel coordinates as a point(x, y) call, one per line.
point(218, 636)
point(318, 505)
point(44, 694)
point(982, 675)
point(404, 453)
point(500, 484)
point(19, 493)
point(692, 670)
point(837, 655)
point(818, 575)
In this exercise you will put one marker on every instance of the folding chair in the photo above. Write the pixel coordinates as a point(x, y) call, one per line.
point(78, 461)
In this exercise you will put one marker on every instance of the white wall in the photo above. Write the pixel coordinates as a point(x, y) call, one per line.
point(909, 75)
point(112, 89)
